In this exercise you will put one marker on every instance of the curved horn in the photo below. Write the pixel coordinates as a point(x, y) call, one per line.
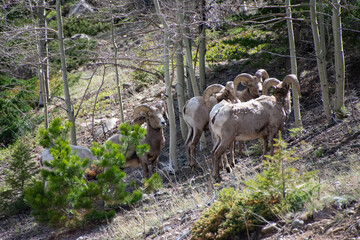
point(230, 88)
point(261, 74)
point(292, 79)
point(213, 88)
point(268, 83)
point(141, 108)
point(243, 77)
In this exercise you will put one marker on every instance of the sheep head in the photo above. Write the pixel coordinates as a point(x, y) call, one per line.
point(226, 93)
point(282, 88)
point(212, 89)
point(253, 84)
point(152, 114)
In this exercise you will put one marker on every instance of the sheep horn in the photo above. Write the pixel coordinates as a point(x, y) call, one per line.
point(268, 83)
point(230, 87)
point(162, 106)
point(261, 74)
point(141, 108)
point(291, 79)
point(243, 77)
point(214, 88)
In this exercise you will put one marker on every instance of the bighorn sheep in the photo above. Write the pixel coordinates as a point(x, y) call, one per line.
point(258, 118)
point(81, 151)
point(196, 114)
point(253, 90)
point(153, 116)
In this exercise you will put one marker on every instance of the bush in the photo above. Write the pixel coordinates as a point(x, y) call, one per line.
point(17, 98)
point(68, 200)
point(275, 191)
point(18, 175)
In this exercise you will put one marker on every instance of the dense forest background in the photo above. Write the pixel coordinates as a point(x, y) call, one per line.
point(92, 62)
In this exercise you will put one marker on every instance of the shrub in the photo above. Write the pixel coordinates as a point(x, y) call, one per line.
point(17, 98)
point(18, 175)
point(277, 190)
point(68, 200)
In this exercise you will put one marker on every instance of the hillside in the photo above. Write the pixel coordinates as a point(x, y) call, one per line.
point(331, 150)
point(170, 213)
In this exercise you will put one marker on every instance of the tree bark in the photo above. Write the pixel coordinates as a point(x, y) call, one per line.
point(295, 94)
point(180, 85)
point(117, 70)
point(202, 46)
point(170, 103)
point(320, 58)
point(69, 110)
point(339, 58)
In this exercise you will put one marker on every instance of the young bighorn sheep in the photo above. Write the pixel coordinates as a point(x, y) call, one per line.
point(258, 118)
point(196, 114)
point(155, 123)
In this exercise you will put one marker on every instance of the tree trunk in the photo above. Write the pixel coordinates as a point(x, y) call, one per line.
point(117, 70)
point(202, 46)
point(320, 57)
point(170, 103)
point(295, 94)
point(69, 110)
point(180, 86)
point(339, 58)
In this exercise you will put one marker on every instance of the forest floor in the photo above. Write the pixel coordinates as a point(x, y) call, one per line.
point(333, 150)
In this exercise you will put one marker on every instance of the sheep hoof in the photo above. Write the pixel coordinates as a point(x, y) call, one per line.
point(228, 169)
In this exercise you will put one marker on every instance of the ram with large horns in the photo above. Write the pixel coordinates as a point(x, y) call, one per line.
point(153, 116)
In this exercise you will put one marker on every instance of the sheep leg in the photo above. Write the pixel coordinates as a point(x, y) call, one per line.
point(232, 153)
point(265, 146)
point(145, 168)
point(154, 162)
point(194, 142)
point(224, 161)
point(187, 143)
point(219, 151)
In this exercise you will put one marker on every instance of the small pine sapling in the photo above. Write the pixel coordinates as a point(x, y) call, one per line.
point(19, 174)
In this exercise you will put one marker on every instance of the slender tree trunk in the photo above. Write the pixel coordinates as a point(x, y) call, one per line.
point(320, 57)
point(293, 64)
point(69, 110)
point(339, 58)
point(117, 70)
point(180, 86)
point(42, 58)
point(170, 103)
point(202, 46)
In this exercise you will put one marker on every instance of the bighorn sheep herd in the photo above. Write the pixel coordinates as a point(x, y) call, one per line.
point(229, 114)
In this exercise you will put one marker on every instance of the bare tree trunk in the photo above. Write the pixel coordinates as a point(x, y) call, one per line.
point(295, 94)
point(69, 110)
point(202, 46)
point(42, 58)
point(339, 58)
point(320, 57)
point(170, 103)
point(117, 70)
point(180, 86)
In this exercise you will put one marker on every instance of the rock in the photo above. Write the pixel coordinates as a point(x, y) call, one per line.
point(297, 223)
point(80, 8)
point(269, 229)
